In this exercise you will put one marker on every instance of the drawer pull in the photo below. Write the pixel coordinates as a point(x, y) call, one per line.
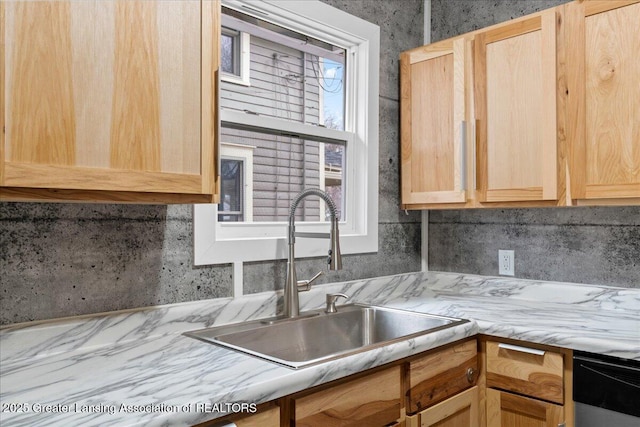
point(521, 349)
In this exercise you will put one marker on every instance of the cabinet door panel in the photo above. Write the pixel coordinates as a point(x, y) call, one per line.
point(367, 401)
point(604, 99)
point(510, 410)
point(460, 410)
point(433, 124)
point(110, 96)
point(516, 85)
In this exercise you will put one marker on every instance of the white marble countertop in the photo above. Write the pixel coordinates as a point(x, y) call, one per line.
point(136, 368)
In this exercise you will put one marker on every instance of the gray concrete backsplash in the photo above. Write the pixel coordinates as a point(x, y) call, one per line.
point(599, 245)
point(69, 259)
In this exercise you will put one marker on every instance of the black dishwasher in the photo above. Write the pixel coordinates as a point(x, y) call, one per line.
point(606, 391)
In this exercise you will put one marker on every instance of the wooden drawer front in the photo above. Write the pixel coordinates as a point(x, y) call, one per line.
point(373, 400)
point(437, 376)
point(525, 370)
point(510, 410)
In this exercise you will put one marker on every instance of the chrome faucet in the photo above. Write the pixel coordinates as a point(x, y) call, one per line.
point(334, 260)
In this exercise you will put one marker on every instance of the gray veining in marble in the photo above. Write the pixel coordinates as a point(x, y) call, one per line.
point(139, 357)
point(70, 259)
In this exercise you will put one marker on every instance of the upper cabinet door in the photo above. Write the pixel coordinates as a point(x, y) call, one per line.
point(109, 100)
point(519, 152)
point(603, 75)
point(433, 123)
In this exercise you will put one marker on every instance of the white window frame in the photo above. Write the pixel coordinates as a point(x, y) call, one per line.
point(244, 60)
point(220, 243)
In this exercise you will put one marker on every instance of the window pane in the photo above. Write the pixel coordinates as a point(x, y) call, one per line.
point(227, 51)
point(331, 84)
point(292, 76)
point(285, 165)
point(231, 190)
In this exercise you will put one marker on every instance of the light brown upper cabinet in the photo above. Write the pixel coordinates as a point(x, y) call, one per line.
point(520, 157)
point(603, 75)
point(542, 110)
point(434, 145)
point(109, 100)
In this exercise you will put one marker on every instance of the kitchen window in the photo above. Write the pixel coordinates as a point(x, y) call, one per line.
point(311, 116)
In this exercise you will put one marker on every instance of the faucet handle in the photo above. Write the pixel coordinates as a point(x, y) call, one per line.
point(331, 302)
point(305, 285)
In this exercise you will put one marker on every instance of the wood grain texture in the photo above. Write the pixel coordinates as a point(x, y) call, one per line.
point(533, 375)
point(105, 97)
point(179, 73)
point(439, 375)
point(431, 138)
point(366, 401)
point(612, 73)
point(480, 97)
point(41, 125)
point(603, 110)
point(210, 88)
point(135, 121)
point(593, 7)
point(406, 136)
point(19, 194)
point(513, 29)
point(575, 113)
point(515, 112)
point(519, 151)
point(460, 410)
point(93, 43)
point(510, 410)
point(64, 177)
point(432, 130)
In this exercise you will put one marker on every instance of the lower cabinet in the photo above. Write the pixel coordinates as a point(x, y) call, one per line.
point(373, 400)
point(507, 384)
point(460, 410)
point(527, 385)
point(505, 409)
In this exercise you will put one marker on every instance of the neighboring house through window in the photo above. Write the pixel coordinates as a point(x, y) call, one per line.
point(299, 109)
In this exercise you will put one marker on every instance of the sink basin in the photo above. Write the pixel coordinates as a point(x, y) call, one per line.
point(317, 337)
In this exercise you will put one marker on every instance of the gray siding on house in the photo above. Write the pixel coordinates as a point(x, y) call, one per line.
point(283, 84)
point(278, 84)
point(282, 167)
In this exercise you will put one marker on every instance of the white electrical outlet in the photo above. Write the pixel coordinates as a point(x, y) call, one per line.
point(506, 260)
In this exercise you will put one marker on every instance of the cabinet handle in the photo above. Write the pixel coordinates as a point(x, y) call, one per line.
point(463, 155)
point(521, 349)
point(475, 145)
point(471, 373)
point(562, 425)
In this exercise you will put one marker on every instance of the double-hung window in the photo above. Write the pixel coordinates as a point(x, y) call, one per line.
point(302, 114)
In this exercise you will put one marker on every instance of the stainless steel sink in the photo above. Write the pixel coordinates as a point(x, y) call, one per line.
point(318, 337)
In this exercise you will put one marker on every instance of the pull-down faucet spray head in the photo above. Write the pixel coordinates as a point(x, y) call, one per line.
point(335, 257)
